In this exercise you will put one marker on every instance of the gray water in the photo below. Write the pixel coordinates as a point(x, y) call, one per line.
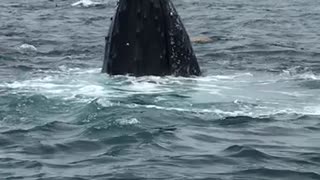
point(254, 114)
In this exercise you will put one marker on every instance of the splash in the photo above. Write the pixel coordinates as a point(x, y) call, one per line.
point(235, 94)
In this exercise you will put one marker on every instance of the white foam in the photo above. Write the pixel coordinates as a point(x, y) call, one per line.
point(212, 91)
point(312, 110)
point(299, 73)
point(91, 90)
point(309, 76)
point(129, 121)
point(294, 94)
point(224, 77)
point(146, 88)
point(222, 113)
point(194, 110)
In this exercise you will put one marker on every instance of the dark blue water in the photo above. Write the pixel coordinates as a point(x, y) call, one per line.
point(254, 114)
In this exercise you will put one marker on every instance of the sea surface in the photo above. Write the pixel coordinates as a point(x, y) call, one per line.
point(254, 114)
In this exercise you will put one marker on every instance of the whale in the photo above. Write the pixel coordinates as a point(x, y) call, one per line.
point(147, 37)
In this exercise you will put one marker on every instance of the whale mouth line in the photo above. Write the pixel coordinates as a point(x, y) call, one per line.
point(148, 38)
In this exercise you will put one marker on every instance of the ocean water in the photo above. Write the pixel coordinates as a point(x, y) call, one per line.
point(254, 114)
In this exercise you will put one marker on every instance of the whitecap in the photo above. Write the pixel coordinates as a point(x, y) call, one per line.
point(85, 3)
point(27, 47)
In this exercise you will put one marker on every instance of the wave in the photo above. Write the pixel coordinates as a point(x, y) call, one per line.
point(246, 152)
point(279, 174)
point(237, 121)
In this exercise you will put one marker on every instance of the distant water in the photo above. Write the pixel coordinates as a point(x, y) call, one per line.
point(254, 114)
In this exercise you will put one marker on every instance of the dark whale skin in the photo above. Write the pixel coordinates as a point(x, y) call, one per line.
point(147, 37)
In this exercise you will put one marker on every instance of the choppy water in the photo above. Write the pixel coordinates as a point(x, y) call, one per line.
point(254, 114)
